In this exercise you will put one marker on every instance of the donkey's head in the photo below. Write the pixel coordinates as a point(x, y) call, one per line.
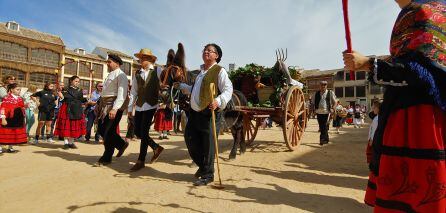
point(174, 71)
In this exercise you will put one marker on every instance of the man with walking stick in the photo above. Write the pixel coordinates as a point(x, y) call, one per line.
point(198, 134)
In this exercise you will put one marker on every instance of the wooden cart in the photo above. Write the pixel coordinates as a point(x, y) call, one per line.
point(291, 115)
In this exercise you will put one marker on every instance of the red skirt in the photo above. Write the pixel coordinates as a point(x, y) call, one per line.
point(13, 136)
point(69, 128)
point(412, 171)
point(370, 192)
point(161, 122)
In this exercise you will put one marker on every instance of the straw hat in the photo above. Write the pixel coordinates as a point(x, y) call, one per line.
point(146, 53)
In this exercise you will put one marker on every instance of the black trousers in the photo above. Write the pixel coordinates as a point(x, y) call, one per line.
point(200, 140)
point(143, 121)
point(90, 123)
point(130, 127)
point(108, 130)
point(323, 127)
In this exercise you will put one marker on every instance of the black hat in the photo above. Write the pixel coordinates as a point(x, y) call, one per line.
point(219, 52)
point(115, 58)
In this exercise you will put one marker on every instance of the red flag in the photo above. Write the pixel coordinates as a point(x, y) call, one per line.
point(347, 33)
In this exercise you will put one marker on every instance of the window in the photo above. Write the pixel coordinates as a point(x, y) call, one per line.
point(84, 69)
point(13, 25)
point(126, 68)
point(360, 75)
point(349, 91)
point(347, 76)
point(339, 92)
point(71, 67)
point(19, 75)
point(66, 82)
point(339, 76)
point(376, 89)
point(84, 84)
point(98, 70)
point(39, 79)
point(45, 57)
point(360, 91)
point(12, 51)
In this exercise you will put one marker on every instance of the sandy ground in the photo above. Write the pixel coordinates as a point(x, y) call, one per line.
point(268, 178)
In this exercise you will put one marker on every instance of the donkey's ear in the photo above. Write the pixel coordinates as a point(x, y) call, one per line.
point(170, 57)
point(180, 56)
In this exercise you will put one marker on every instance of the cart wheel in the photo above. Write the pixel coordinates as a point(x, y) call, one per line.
point(250, 129)
point(294, 117)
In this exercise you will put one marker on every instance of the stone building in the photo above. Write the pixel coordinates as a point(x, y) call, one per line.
point(32, 56)
point(90, 68)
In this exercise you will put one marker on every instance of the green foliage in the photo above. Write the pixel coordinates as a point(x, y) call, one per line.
point(268, 76)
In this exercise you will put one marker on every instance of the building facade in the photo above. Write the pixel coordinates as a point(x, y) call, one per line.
point(90, 68)
point(128, 61)
point(348, 92)
point(31, 56)
point(312, 79)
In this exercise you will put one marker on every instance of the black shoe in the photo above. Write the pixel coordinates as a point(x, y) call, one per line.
point(66, 146)
point(165, 137)
point(233, 154)
point(72, 146)
point(198, 174)
point(160, 137)
point(138, 165)
point(11, 150)
point(203, 181)
point(121, 151)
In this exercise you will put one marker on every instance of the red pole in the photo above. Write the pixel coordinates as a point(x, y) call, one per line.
point(347, 33)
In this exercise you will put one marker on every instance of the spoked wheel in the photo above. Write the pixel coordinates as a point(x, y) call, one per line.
point(294, 117)
point(250, 127)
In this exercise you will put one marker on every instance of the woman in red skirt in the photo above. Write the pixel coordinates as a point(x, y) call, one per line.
point(12, 113)
point(163, 121)
point(71, 119)
point(408, 163)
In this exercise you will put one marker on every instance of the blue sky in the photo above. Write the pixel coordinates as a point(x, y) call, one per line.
point(247, 30)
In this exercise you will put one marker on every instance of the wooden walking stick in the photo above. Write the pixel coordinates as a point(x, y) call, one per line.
point(348, 37)
point(214, 132)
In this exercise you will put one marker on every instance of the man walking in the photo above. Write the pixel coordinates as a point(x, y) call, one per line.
point(144, 94)
point(324, 105)
point(113, 102)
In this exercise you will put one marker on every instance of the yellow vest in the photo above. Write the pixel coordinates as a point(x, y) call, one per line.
point(210, 77)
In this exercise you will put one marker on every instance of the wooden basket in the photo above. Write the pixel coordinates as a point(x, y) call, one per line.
point(264, 93)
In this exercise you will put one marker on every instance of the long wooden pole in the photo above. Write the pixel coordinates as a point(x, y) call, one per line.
point(214, 132)
point(347, 33)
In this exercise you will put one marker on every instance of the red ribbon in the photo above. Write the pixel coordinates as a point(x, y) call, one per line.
point(347, 33)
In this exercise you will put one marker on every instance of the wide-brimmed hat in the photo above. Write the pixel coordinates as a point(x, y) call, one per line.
point(146, 53)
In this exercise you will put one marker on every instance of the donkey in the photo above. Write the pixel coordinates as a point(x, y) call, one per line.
point(176, 71)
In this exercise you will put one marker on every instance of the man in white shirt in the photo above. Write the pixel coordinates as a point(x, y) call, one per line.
point(144, 96)
point(198, 134)
point(324, 104)
point(113, 102)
